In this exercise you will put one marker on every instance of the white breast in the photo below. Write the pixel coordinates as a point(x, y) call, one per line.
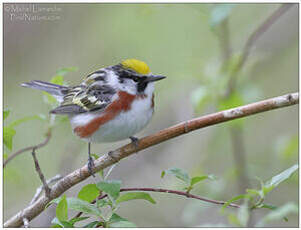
point(125, 124)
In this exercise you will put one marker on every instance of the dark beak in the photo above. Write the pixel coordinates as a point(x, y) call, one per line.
point(152, 78)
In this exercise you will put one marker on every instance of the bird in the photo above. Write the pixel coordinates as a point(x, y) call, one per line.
point(111, 104)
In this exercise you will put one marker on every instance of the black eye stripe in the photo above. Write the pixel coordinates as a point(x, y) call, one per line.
point(131, 76)
point(127, 73)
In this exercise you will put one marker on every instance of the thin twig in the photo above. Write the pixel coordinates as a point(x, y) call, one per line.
point(106, 160)
point(42, 144)
point(261, 29)
point(181, 193)
point(40, 189)
point(41, 175)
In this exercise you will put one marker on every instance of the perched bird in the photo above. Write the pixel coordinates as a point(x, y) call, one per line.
point(111, 104)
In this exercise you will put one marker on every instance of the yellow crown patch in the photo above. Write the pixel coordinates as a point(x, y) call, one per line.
point(136, 65)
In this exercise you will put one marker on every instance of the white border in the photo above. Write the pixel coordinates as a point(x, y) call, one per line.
point(116, 1)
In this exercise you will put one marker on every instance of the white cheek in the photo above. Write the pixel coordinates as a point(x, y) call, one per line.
point(128, 86)
point(149, 89)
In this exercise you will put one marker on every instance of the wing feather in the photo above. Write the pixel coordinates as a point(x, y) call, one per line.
point(96, 95)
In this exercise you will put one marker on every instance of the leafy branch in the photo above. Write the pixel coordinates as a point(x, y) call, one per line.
point(181, 193)
point(158, 190)
point(163, 135)
point(104, 198)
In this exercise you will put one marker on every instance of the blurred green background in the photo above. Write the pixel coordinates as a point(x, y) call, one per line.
point(184, 42)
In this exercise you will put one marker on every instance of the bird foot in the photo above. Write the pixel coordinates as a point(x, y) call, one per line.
point(135, 141)
point(91, 166)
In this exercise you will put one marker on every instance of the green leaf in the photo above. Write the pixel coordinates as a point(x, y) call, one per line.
point(56, 223)
point(77, 219)
point(134, 196)
point(253, 192)
point(88, 193)
point(116, 218)
point(278, 214)
point(276, 180)
point(112, 188)
point(5, 113)
point(58, 80)
point(62, 209)
point(64, 71)
point(178, 173)
point(5, 155)
point(101, 203)
point(82, 206)
point(66, 224)
point(268, 206)
point(219, 13)
point(117, 221)
point(197, 179)
point(8, 134)
point(92, 224)
point(239, 197)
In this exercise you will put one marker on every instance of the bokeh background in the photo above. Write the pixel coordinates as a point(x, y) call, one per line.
point(189, 43)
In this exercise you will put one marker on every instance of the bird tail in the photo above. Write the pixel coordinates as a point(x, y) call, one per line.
point(53, 89)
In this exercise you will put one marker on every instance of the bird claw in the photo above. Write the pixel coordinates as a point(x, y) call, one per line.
point(135, 141)
point(91, 166)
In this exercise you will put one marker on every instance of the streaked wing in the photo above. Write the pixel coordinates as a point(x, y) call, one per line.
point(96, 95)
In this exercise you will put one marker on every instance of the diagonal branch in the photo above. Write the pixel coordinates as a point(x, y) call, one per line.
point(106, 160)
point(41, 175)
point(260, 30)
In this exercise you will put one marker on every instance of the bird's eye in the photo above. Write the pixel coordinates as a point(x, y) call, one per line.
point(135, 79)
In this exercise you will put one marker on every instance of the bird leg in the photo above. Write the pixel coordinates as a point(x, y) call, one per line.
point(135, 141)
point(90, 161)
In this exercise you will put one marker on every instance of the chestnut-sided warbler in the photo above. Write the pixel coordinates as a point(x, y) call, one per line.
point(111, 104)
